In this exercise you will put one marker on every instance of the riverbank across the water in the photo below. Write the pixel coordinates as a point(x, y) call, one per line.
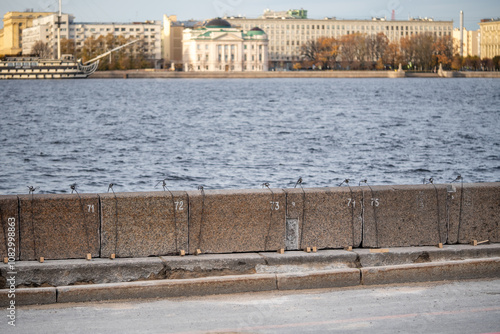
point(151, 74)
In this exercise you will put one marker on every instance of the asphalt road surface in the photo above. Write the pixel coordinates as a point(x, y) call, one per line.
point(454, 307)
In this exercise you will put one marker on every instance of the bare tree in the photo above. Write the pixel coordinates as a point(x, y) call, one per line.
point(41, 49)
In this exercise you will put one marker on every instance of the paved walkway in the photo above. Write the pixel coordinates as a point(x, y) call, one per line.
point(453, 307)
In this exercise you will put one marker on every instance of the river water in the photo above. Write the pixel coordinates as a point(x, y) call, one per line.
point(240, 133)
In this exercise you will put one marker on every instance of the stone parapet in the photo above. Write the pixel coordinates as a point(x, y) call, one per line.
point(134, 225)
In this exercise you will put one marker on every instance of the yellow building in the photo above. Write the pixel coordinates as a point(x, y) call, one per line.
point(11, 36)
point(490, 38)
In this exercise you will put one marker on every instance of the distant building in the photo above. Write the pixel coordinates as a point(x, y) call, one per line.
point(490, 38)
point(289, 14)
point(11, 36)
point(471, 42)
point(172, 33)
point(45, 29)
point(217, 46)
point(287, 32)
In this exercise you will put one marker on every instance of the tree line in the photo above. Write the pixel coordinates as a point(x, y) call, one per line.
point(361, 51)
point(130, 57)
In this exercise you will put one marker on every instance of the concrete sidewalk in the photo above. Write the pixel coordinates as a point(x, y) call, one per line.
point(173, 276)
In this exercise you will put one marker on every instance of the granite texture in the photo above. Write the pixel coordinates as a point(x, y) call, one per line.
point(230, 221)
point(24, 297)
point(428, 272)
point(59, 226)
point(144, 224)
point(319, 279)
point(398, 216)
point(8, 211)
point(79, 271)
point(474, 212)
point(167, 288)
point(328, 217)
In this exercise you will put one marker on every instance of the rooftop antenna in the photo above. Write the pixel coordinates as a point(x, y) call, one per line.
point(393, 17)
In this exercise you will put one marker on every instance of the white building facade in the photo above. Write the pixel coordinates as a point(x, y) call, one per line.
point(45, 29)
point(287, 33)
point(217, 46)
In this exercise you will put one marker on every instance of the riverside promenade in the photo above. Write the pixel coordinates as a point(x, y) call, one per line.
point(89, 247)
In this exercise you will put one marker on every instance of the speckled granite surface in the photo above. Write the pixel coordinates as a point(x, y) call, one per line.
point(144, 224)
point(8, 211)
point(59, 226)
point(474, 212)
point(396, 216)
point(229, 221)
point(328, 217)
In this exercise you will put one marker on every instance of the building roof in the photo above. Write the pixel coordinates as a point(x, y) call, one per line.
point(255, 31)
point(218, 23)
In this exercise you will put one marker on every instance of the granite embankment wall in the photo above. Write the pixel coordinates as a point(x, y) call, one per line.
point(158, 74)
point(231, 221)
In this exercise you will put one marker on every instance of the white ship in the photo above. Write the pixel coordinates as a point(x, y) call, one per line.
point(64, 67)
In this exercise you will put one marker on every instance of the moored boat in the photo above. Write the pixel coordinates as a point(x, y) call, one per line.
point(37, 68)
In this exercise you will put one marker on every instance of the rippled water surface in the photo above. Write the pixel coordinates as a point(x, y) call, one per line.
point(240, 133)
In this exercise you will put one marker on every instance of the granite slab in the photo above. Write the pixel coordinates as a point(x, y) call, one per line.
point(474, 211)
point(59, 226)
point(328, 217)
point(230, 221)
point(398, 216)
point(9, 228)
point(144, 224)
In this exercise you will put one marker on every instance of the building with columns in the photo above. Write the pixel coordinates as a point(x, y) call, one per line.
point(217, 46)
point(490, 38)
point(287, 31)
point(11, 35)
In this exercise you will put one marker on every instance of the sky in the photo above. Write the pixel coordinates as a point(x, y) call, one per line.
point(134, 10)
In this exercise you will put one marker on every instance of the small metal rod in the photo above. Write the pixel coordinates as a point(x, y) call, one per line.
point(266, 239)
point(461, 179)
point(32, 192)
point(82, 206)
point(110, 187)
point(200, 234)
point(165, 189)
point(374, 210)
